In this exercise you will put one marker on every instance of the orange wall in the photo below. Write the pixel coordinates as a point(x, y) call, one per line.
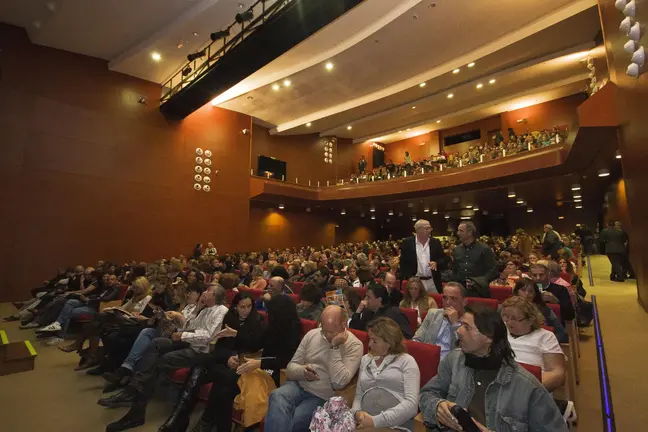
point(485, 126)
point(617, 204)
point(348, 156)
point(544, 116)
point(419, 147)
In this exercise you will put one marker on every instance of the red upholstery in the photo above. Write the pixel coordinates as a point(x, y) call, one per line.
point(384, 269)
point(297, 286)
point(438, 298)
point(294, 298)
point(264, 315)
point(548, 328)
point(566, 276)
point(363, 336)
point(412, 317)
point(362, 292)
point(403, 286)
point(308, 325)
point(208, 277)
point(229, 295)
point(501, 292)
point(122, 293)
point(536, 371)
point(379, 280)
point(427, 357)
point(491, 303)
point(179, 376)
point(254, 293)
point(555, 308)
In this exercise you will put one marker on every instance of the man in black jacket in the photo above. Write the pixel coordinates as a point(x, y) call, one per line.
point(422, 256)
point(613, 241)
point(551, 242)
point(376, 304)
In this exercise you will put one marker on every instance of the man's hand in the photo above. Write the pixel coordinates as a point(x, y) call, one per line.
point(310, 374)
point(233, 362)
point(361, 306)
point(83, 298)
point(363, 420)
point(249, 366)
point(549, 298)
point(339, 338)
point(266, 297)
point(445, 417)
point(451, 314)
point(433, 265)
point(177, 336)
point(481, 427)
point(226, 332)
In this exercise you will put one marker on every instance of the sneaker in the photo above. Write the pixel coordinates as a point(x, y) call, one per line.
point(29, 325)
point(54, 327)
point(54, 341)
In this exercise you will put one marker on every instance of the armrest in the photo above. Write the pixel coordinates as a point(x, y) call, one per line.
point(348, 392)
point(418, 423)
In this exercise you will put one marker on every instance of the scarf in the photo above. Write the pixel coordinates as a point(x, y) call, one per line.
point(490, 362)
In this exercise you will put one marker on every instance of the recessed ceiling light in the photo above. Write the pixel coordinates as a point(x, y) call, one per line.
point(435, 212)
point(471, 64)
point(156, 56)
point(422, 84)
point(618, 154)
point(456, 71)
point(195, 33)
point(349, 127)
point(309, 124)
point(450, 96)
point(180, 45)
point(480, 85)
point(575, 187)
point(275, 87)
point(438, 121)
point(281, 206)
point(492, 81)
point(241, 5)
point(511, 194)
point(561, 217)
point(579, 206)
point(577, 200)
point(414, 107)
point(414, 17)
point(329, 66)
point(250, 97)
point(287, 83)
point(603, 172)
point(469, 206)
point(408, 129)
point(519, 201)
point(577, 196)
point(426, 210)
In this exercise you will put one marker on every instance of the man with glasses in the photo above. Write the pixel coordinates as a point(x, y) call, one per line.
point(440, 325)
point(325, 361)
point(483, 378)
point(422, 256)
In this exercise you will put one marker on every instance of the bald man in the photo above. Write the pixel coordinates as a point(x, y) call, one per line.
point(276, 286)
point(422, 256)
point(327, 360)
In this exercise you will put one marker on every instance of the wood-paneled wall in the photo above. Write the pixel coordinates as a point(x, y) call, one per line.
point(543, 116)
point(419, 147)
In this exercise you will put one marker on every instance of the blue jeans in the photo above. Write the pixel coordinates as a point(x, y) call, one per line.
point(291, 408)
point(73, 309)
point(142, 343)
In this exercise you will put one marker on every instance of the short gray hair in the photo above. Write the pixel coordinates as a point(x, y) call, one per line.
point(421, 223)
point(460, 287)
point(470, 227)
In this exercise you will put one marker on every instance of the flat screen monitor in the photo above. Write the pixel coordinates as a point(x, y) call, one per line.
point(270, 167)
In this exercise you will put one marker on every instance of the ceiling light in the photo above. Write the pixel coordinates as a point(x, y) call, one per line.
point(435, 212)
point(529, 210)
point(156, 56)
point(577, 196)
point(413, 218)
point(471, 64)
point(447, 216)
point(511, 194)
point(603, 172)
point(400, 131)
point(329, 66)
point(469, 206)
point(349, 127)
point(373, 217)
point(275, 87)
point(372, 209)
point(408, 129)
point(492, 81)
point(309, 124)
point(579, 206)
point(414, 107)
point(480, 85)
point(575, 187)
point(422, 85)
point(281, 206)
point(222, 34)
point(250, 97)
point(456, 71)
point(450, 95)
point(343, 212)
point(426, 210)
point(561, 217)
point(308, 209)
point(577, 200)
point(519, 201)
point(391, 212)
point(438, 121)
point(465, 217)
point(618, 154)
point(180, 45)
point(287, 83)
point(195, 33)
point(475, 208)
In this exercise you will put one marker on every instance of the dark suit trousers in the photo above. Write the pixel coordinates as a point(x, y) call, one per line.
point(616, 260)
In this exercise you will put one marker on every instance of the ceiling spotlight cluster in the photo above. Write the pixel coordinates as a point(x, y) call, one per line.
point(377, 146)
point(632, 29)
point(328, 150)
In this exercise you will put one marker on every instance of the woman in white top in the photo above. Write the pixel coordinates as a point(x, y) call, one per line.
point(211, 250)
point(416, 297)
point(352, 276)
point(531, 343)
point(388, 381)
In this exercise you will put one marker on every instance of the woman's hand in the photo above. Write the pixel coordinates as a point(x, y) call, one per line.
point(226, 332)
point(233, 362)
point(363, 420)
point(249, 366)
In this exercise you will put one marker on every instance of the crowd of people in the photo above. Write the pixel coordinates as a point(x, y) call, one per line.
point(199, 314)
point(495, 148)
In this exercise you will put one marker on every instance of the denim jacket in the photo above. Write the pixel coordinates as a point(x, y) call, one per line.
point(515, 401)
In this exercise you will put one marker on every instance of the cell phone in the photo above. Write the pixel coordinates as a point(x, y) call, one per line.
point(463, 418)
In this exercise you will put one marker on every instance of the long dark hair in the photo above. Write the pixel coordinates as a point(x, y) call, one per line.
point(489, 323)
point(282, 318)
point(232, 317)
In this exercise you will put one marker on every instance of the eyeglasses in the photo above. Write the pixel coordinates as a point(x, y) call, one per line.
point(450, 298)
point(506, 317)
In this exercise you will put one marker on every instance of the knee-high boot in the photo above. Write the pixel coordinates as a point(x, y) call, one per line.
point(178, 421)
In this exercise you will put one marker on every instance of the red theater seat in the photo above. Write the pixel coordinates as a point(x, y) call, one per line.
point(254, 293)
point(536, 371)
point(412, 317)
point(294, 298)
point(403, 286)
point(427, 357)
point(555, 308)
point(363, 336)
point(438, 298)
point(362, 292)
point(297, 286)
point(491, 303)
point(308, 325)
point(229, 295)
point(501, 292)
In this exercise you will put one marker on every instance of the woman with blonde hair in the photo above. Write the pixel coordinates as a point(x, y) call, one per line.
point(258, 282)
point(416, 297)
point(388, 386)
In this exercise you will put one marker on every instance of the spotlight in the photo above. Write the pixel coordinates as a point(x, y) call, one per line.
point(561, 217)
point(244, 16)
point(281, 206)
point(286, 83)
point(186, 71)
point(422, 85)
point(471, 64)
point(372, 209)
point(519, 201)
point(579, 206)
point(219, 35)
point(603, 172)
point(456, 71)
point(156, 56)
point(391, 212)
point(275, 87)
point(575, 187)
point(435, 212)
point(438, 121)
point(426, 210)
point(196, 56)
point(578, 196)
point(447, 216)
point(529, 210)
point(349, 127)
point(413, 218)
point(618, 154)
point(329, 66)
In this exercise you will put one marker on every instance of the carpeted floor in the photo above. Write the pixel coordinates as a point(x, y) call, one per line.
point(54, 398)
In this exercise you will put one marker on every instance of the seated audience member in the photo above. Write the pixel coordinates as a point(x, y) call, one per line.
point(258, 282)
point(376, 304)
point(211, 250)
point(554, 274)
point(245, 275)
point(552, 293)
point(184, 349)
point(327, 360)
point(392, 285)
point(440, 325)
point(352, 276)
point(229, 281)
point(310, 305)
point(417, 298)
point(244, 334)
point(147, 335)
point(507, 274)
point(280, 271)
point(527, 289)
point(275, 287)
point(515, 400)
point(388, 385)
point(374, 268)
point(531, 343)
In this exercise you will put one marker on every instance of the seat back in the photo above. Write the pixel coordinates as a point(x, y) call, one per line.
point(307, 325)
point(536, 371)
point(438, 298)
point(294, 298)
point(566, 276)
point(362, 292)
point(229, 295)
point(253, 292)
point(207, 276)
point(412, 317)
point(403, 285)
point(491, 303)
point(297, 286)
point(556, 309)
point(363, 336)
point(122, 291)
point(501, 292)
point(427, 357)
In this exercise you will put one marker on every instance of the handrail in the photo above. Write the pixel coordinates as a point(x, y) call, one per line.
point(607, 409)
point(197, 70)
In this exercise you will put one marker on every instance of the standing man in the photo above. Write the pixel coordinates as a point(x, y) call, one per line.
point(551, 242)
point(628, 270)
point(362, 165)
point(422, 256)
point(474, 262)
point(613, 242)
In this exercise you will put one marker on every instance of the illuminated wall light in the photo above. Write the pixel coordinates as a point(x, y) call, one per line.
point(435, 212)
point(475, 208)
point(469, 206)
point(577, 200)
point(372, 209)
point(603, 172)
point(471, 64)
point(561, 217)
point(329, 66)
point(422, 85)
point(287, 83)
point(529, 210)
point(579, 206)
point(456, 71)
point(281, 206)
point(511, 194)
point(618, 154)
point(349, 127)
point(275, 87)
point(414, 107)
point(492, 81)
point(426, 210)
point(156, 56)
point(519, 201)
point(575, 187)
point(373, 217)
point(438, 121)
point(400, 214)
point(480, 85)
point(578, 196)
point(308, 209)
point(447, 216)
point(465, 217)
point(391, 213)
point(343, 212)
point(450, 96)
point(309, 124)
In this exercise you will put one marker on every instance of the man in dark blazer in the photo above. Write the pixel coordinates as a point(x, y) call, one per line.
point(613, 242)
point(422, 256)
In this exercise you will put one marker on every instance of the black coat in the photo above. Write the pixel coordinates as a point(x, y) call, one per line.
point(409, 263)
